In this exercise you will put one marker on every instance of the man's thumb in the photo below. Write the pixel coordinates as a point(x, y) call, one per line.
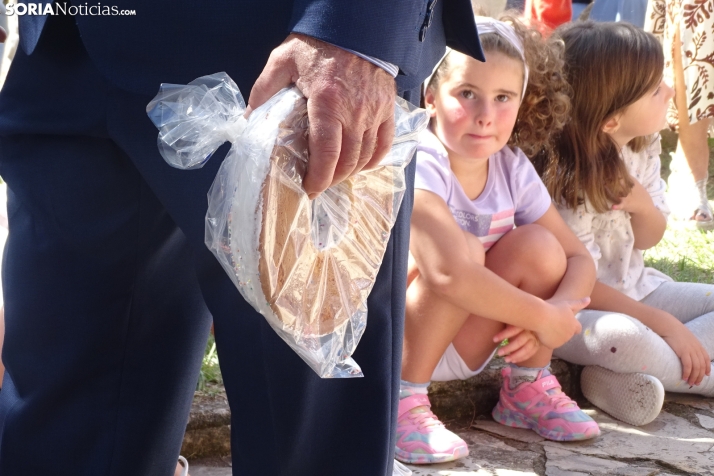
point(276, 75)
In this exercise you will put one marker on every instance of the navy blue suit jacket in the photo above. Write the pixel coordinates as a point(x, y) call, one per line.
point(95, 208)
point(176, 41)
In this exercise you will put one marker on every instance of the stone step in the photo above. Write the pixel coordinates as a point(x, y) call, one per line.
point(208, 430)
point(677, 443)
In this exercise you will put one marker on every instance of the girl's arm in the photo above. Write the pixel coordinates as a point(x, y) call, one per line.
point(580, 275)
point(440, 249)
point(646, 202)
point(695, 360)
point(648, 223)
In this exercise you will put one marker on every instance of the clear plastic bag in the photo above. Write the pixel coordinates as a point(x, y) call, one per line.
point(307, 266)
point(400, 469)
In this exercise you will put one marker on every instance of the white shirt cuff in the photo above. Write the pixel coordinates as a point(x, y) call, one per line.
point(390, 68)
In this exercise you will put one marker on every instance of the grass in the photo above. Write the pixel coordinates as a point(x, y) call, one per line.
point(684, 252)
point(210, 379)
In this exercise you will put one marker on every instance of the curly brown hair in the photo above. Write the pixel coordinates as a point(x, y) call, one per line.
point(545, 107)
point(610, 66)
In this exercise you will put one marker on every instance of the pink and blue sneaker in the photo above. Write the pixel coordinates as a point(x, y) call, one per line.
point(544, 408)
point(422, 438)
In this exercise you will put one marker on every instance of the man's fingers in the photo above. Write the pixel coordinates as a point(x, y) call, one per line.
point(324, 144)
point(276, 75)
point(385, 137)
point(369, 143)
point(350, 104)
point(349, 158)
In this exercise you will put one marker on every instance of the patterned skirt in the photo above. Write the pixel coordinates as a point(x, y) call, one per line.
point(696, 25)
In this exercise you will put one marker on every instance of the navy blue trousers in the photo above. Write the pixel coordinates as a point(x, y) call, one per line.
point(109, 293)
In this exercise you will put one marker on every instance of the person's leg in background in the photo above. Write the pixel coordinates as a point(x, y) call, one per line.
point(693, 147)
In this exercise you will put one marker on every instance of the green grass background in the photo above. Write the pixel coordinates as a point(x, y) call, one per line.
point(685, 253)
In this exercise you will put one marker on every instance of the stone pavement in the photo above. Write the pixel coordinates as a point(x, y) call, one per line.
point(679, 442)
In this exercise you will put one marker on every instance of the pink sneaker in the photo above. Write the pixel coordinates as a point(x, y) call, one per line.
point(544, 408)
point(422, 438)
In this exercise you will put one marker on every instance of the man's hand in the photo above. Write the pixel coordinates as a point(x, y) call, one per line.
point(350, 106)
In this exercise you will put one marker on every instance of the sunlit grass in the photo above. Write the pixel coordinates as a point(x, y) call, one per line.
point(685, 253)
point(210, 375)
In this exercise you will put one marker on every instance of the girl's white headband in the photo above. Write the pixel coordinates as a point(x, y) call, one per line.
point(505, 31)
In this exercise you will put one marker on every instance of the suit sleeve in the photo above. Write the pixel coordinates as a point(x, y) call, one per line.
point(395, 31)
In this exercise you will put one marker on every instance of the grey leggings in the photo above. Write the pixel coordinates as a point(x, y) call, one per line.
point(623, 344)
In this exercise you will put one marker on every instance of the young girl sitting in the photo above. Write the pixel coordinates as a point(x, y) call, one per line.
point(604, 174)
point(473, 279)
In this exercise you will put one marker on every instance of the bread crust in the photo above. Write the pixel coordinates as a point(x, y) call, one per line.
point(315, 288)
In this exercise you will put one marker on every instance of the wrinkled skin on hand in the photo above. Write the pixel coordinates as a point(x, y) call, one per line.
point(350, 104)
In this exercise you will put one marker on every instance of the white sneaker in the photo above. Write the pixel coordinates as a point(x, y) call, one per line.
point(184, 463)
point(633, 398)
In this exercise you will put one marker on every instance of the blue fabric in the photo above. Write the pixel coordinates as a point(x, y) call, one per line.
point(108, 285)
point(180, 40)
point(31, 27)
point(631, 11)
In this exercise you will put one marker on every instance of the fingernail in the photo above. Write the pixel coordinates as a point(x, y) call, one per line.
point(313, 196)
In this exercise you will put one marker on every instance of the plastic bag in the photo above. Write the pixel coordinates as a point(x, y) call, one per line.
point(307, 266)
point(400, 470)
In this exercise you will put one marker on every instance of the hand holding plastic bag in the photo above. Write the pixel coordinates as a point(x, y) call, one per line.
point(307, 266)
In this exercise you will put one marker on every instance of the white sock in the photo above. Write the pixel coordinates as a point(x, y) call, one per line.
point(407, 389)
point(526, 374)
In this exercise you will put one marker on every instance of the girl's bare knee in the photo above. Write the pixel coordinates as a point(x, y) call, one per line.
point(537, 242)
point(533, 250)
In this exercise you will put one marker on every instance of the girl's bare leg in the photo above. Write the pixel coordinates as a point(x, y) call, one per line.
point(530, 258)
point(431, 322)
